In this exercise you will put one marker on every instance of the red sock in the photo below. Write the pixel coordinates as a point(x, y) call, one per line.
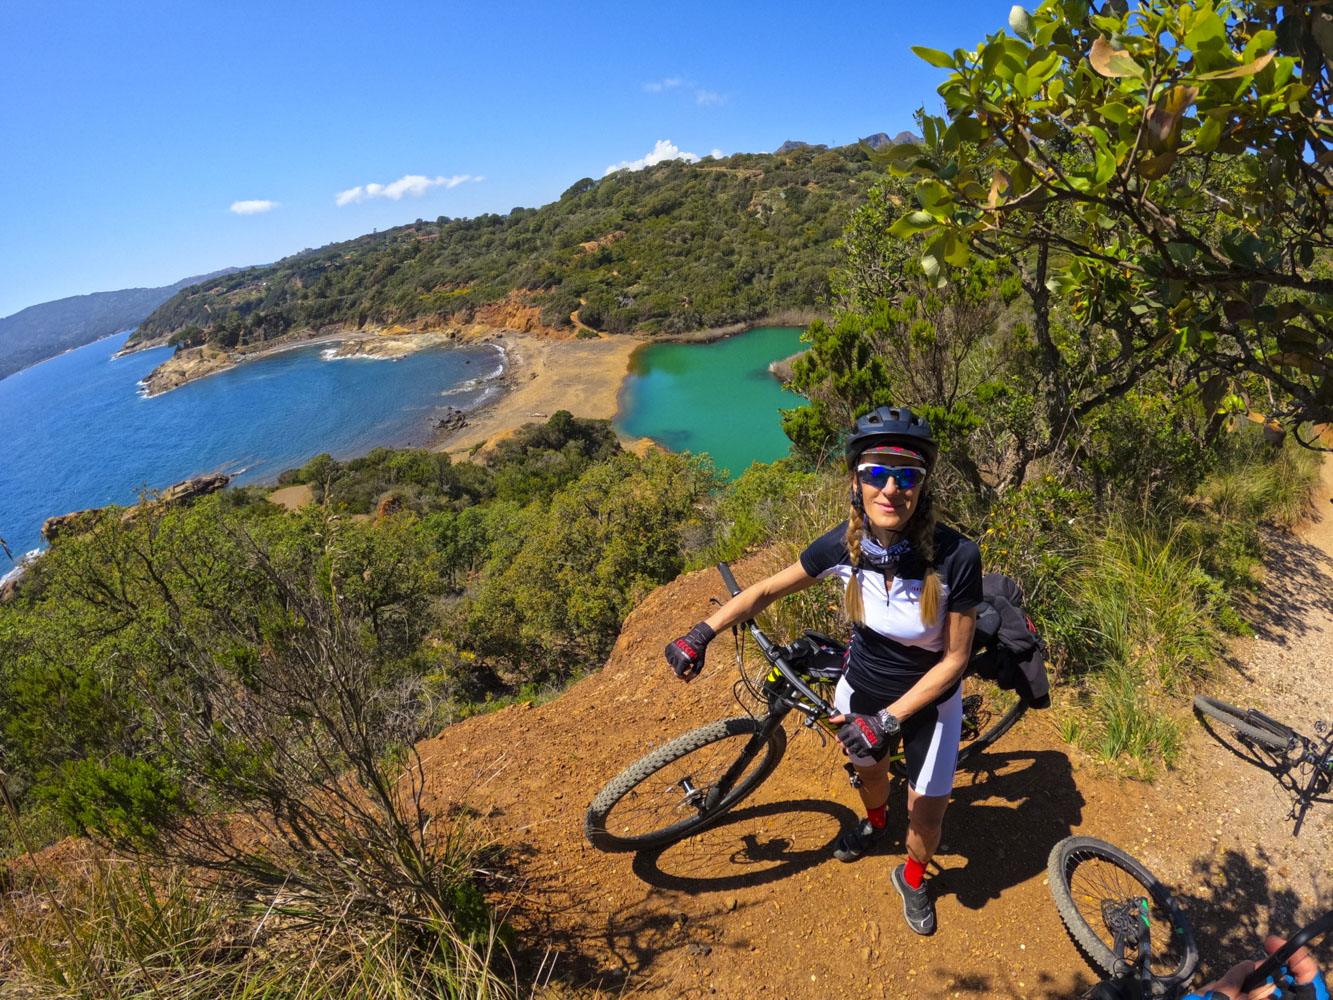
point(878, 817)
point(914, 873)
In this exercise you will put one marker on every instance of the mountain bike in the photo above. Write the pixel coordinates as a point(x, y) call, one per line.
point(692, 781)
point(1132, 929)
point(1310, 758)
point(1123, 919)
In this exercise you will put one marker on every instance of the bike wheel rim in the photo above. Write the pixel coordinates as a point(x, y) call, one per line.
point(1095, 881)
point(659, 803)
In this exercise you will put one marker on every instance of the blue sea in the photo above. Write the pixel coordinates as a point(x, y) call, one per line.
point(77, 430)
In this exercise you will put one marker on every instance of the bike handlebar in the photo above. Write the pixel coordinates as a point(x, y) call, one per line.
point(770, 649)
point(1279, 958)
point(732, 586)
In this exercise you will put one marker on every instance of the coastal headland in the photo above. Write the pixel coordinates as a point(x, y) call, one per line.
point(389, 341)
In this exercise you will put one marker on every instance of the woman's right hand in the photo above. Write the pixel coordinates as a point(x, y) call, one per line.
point(686, 654)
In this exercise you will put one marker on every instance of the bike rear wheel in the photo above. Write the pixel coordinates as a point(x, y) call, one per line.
point(1244, 723)
point(1096, 887)
point(684, 785)
point(989, 712)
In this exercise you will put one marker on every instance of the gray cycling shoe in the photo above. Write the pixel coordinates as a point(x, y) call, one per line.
point(918, 907)
point(859, 840)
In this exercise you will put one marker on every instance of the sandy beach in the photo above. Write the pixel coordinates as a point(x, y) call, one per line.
point(544, 375)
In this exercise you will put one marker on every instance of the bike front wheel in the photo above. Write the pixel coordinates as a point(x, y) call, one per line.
point(1108, 900)
point(683, 786)
point(1255, 729)
point(989, 712)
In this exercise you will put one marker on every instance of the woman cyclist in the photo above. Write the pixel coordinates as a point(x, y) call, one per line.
point(912, 586)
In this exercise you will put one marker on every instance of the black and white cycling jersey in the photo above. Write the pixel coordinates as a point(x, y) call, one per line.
point(890, 652)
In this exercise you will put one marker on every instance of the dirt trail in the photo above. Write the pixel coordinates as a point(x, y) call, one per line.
point(757, 906)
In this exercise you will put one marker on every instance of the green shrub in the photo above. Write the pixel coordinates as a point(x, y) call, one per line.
point(1146, 447)
point(111, 928)
point(1033, 534)
point(119, 800)
point(757, 508)
point(555, 603)
point(1129, 723)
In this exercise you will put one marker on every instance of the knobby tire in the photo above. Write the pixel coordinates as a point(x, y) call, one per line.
point(648, 793)
point(1083, 874)
point(1240, 720)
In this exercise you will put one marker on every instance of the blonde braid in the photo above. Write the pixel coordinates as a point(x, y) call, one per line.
point(852, 605)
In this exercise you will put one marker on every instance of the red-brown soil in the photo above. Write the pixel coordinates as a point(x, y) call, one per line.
point(757, 906)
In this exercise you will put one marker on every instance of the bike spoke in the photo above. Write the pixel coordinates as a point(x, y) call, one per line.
point(1097, 884)
point(681, 790)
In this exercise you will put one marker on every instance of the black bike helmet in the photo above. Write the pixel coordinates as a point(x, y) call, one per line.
point(892, 425)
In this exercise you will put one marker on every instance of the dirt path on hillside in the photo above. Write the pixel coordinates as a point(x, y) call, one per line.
point(757, 906)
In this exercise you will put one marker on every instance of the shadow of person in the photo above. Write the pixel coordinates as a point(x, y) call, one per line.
point(749, 847)
point(1234, 901)
point(1008, 810)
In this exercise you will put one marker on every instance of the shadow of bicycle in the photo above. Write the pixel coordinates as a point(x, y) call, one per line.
point(749, 847)
point(1007, 811)
point(1292, 778)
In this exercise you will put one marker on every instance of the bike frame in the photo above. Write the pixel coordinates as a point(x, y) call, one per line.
point(1320, 761)
point(772, 652)
point(1317, 754)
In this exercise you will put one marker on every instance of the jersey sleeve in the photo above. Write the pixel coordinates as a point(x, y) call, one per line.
point(822, 556)
point(963, 576)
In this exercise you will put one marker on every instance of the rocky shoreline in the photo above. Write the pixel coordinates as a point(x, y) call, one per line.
point(200, 362)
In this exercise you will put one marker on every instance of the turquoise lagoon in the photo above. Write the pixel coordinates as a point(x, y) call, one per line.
point(718, 397)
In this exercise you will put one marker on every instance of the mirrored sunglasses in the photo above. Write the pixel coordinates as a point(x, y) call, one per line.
point(905, 477)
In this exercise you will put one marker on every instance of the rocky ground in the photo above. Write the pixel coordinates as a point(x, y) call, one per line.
point(757, 906)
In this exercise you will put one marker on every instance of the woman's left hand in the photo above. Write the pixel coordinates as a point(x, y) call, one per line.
point(865, 735)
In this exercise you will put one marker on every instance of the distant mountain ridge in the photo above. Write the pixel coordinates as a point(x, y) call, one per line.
point(672, 248)
point(873, 141)
point(42, 331)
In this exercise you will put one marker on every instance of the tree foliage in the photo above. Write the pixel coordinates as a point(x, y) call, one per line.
point(945, 352)
point(1164, 171)
point(232, 655)
point(667, 249)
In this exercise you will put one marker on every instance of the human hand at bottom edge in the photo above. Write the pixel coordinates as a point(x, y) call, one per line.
point(1300, 979)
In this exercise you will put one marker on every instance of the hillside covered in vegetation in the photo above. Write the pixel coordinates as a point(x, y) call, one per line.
point(668, 249)
point(50, 328)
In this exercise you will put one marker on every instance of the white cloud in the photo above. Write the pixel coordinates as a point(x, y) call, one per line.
point(663, 151)
point(657, 86)
point(412, 184)
point(708, 97)
point(251, 207)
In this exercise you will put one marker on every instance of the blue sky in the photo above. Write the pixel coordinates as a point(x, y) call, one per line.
point(135, 133)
